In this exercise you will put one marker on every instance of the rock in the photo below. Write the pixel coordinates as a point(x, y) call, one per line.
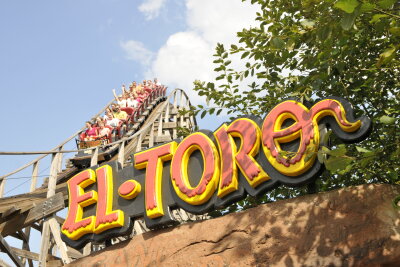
point(354, 226)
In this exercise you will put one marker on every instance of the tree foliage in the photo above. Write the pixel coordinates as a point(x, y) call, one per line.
point(311, 49)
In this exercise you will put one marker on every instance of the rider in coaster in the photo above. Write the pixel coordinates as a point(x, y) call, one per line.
point(122, 116)
point(156, 82)
point(131, 101)
point(104, 132)
point(91, 132)
point(119, 114)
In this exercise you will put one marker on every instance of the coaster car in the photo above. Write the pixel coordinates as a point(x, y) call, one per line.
point(107, 149)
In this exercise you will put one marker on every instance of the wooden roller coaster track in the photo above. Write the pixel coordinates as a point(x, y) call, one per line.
point(36, 210)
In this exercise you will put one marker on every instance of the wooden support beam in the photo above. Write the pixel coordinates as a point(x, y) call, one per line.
point(95, 156)
point(4, 264)
point(9, 213)
point(139, 143)
point(59, 160)
point(59, 219)
point(27, 231)
point(45, 243)
point(38, 212)
point(36, 227)
point(2, 186)
point(54, 263)
point(25, 246)
point(160, 125)
point(121, 154)
point(55, 230)
point(151, 136)
point(166, 116)
point(182, 99)
point(175, 99)
point(174, 131)
point(26, 254)
point(35, 172)
point(73, 253)
point(87, 249)
point(7, 249)
point(170, 125)
point(163, 138)
point(44, 248)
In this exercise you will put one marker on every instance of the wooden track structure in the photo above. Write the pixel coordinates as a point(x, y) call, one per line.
point(36, 210)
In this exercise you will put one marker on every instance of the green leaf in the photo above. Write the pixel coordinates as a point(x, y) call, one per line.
point(324, 33)
point(365, 161)
point(337, 163)
point(218, 112)
point(309, 156)
point(290, 44)
point(277, 43)
point(387, 120)
point(347, 6)
point(321, 156)
point(348, 20)
point(325, 150)
point(227, 62)
point(307, 24)
point(385, 4)
point(377, 17)
point(393, 175)
point(245, 54)
point(395, 31)
point(388, 52)
point(203, 114)
point(346, 170)
point(366, 7)
point(362, 150)
point(340, 151)
point(220, 77)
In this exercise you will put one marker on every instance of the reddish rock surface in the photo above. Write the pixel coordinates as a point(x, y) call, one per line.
point(355, 226)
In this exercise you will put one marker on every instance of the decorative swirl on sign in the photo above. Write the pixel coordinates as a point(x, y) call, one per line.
point(305, 128)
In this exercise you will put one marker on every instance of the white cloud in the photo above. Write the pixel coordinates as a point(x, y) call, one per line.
point(187, 56)
point(151, 8)
point(184, 57)
point(218, 21)
point(136, 51)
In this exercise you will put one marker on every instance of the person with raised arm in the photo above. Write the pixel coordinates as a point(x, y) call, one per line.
point(123, 89)
point(91, 132)
point(132, 87)
point(121, 100)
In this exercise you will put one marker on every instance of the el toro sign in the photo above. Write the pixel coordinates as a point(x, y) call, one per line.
point(206, 170)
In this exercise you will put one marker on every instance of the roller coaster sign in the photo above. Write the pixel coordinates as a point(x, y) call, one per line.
point(206, 171)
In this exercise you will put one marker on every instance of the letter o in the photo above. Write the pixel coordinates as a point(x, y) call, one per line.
point(208, 183)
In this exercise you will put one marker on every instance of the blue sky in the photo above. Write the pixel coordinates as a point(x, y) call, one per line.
point(59, 61)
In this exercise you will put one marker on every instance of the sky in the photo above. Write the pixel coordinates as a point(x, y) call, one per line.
point(60, 60)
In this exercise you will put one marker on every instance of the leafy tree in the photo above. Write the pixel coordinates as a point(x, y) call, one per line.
point(311, 49)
